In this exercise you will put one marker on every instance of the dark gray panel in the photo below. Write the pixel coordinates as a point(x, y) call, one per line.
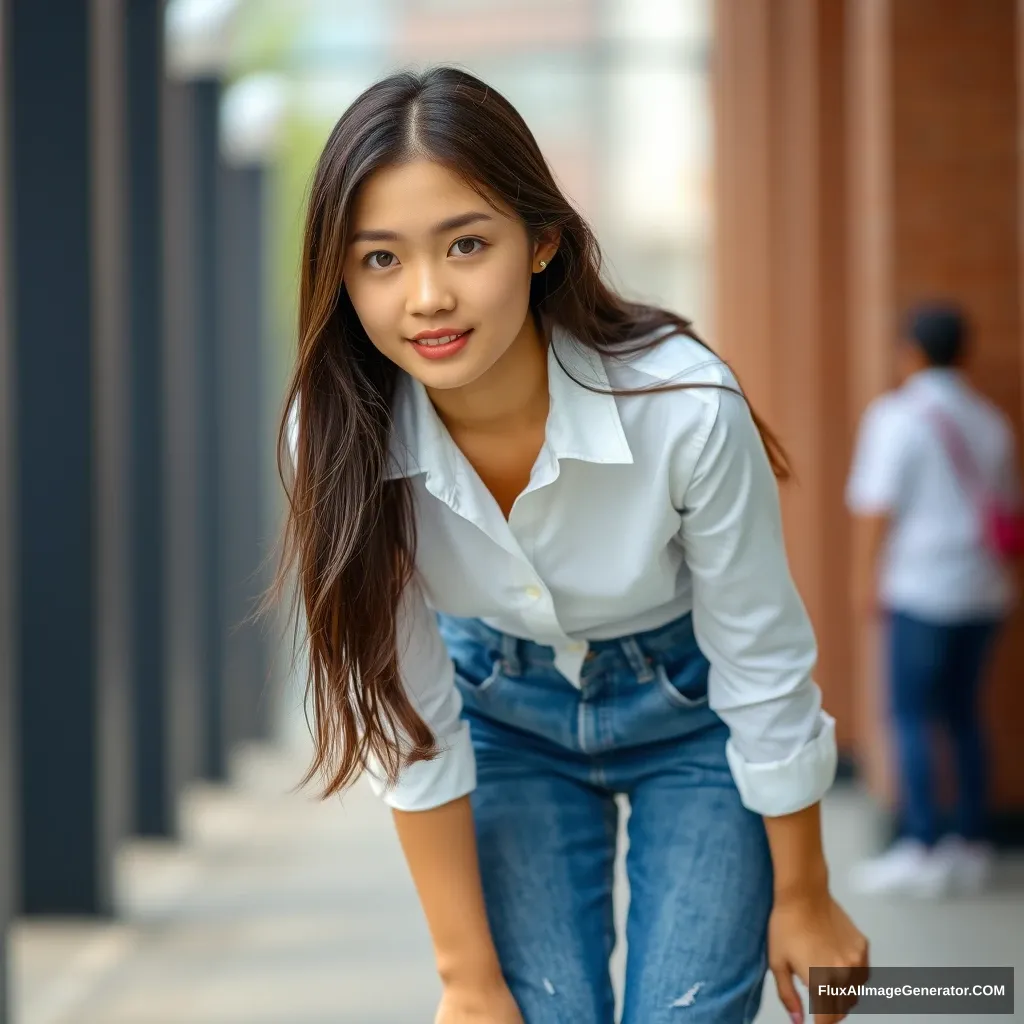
point(156, 776)
point(112, 431)
point(68, 478)
point(209, 597)
point(183, 569)
point(8, 811)
point(243, 458)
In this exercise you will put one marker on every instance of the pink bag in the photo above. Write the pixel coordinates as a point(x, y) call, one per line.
point(1002, 522)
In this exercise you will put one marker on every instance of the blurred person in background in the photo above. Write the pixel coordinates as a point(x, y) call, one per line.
point(537, 534)
point(934, 492)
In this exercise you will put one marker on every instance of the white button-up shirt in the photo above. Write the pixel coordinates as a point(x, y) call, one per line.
point(934, 565)
point(638, 510)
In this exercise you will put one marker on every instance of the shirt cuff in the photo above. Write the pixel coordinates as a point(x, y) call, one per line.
point(782, 787)
point(428, 784)
point(869, 504)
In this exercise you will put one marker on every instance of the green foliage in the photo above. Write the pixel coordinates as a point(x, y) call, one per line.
point(264, 33)
point(292, 174)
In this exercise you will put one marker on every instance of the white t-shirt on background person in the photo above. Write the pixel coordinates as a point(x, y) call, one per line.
point(935, 565)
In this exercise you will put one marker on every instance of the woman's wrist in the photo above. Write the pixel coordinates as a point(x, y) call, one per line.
point(809, 889)
point(479, 973)
point(798, 860)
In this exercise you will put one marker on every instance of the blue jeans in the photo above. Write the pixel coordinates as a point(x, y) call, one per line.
point(935, 677)
point(550, 761)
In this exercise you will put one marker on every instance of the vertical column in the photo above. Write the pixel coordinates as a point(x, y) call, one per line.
point(206, 215)
point(741, 98)
point(181, 439)
point(241, 474)
point(111, 382)
point(8, 734)
point(197, 41)
point(872, 324)
point(71, 700)
point(158, 771)
point(250, 122)
point(181, 523)
point(780, 278)
point(936, 117)
point(1020, 177)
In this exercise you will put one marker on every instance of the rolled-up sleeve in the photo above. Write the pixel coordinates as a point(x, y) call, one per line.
point(428, 676)
point(750, 621)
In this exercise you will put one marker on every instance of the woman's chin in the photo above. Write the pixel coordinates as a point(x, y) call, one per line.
point(448, 374)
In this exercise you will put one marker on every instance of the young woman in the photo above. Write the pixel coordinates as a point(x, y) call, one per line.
point(538, 544)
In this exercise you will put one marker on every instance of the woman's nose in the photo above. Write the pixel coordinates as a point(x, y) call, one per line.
point(428, 293)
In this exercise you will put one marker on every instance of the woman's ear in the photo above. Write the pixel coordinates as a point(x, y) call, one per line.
point(545, 247)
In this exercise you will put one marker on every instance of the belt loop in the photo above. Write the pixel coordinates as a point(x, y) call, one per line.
point(637, 662)
point(510, 654)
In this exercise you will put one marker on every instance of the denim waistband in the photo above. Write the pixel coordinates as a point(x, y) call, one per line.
point(638, 648)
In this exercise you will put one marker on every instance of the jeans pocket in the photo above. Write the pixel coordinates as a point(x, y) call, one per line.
point(467, 677)
point(686, 689)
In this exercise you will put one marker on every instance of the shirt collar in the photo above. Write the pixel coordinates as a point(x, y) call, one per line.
point(581, 424)
point(933, 377)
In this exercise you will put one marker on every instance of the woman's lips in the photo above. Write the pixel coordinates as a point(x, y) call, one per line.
point(441, 350)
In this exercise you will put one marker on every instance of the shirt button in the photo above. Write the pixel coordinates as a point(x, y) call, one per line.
point(533, 593)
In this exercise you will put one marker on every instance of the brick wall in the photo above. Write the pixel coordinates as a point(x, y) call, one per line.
point(866, 157)
point(942, 148)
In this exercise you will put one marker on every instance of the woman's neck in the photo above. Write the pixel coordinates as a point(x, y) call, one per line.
point(511, 395)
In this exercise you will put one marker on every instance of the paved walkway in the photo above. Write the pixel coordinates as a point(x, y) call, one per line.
point(278, 910)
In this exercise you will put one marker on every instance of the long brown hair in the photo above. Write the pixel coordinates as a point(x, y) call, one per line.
point(350, 531)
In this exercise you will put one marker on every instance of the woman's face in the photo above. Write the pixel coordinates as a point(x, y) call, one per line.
point(426, 255)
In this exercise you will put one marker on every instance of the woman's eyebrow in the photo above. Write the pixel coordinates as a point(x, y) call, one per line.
point(451, 224)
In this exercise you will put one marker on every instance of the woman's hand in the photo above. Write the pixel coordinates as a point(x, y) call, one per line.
point(493, 1004)
point(812, 930)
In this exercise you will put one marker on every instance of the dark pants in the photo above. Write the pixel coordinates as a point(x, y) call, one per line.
point(935, 677)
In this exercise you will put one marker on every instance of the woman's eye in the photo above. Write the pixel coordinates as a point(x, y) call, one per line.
point(380, 259)
point(463, 247)
point(387, 260)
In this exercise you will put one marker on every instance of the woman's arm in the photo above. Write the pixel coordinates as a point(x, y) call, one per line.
point(807, 927)
point(749, 619)
point(752, 625)
point(430, 805)
point(798, 857)
point(440, 849)
point(869, 537)
point(878, 474)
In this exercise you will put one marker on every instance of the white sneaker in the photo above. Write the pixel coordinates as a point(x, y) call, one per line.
point(969, 863)
point(908, 866)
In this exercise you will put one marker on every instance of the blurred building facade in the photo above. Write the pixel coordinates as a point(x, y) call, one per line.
point(133, 444)
point(867, 157)
point(596, 80)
